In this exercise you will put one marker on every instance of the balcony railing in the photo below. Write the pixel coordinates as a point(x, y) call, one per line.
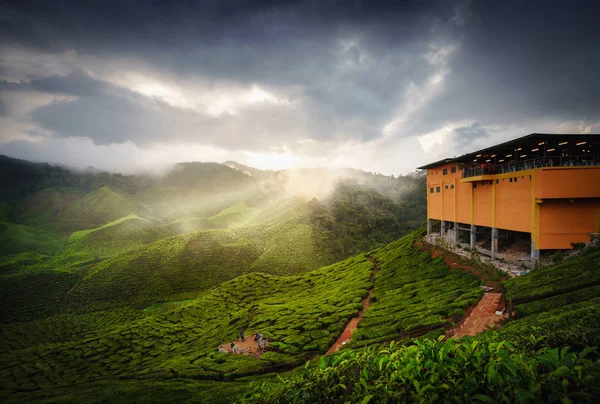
point(549, 161)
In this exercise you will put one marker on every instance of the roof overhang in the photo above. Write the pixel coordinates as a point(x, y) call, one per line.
point(526, 143)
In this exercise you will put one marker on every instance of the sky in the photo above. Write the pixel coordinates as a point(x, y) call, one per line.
point(134, 86)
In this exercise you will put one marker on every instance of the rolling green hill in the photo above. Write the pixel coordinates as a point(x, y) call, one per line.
point(301, 314)
point(235, 215)
point(70, 354)
point(113, 238)
point(180, 267)
point(121, 288)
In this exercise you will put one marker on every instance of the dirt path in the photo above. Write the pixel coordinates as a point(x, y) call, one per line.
point(482, 317)
point(349, 330)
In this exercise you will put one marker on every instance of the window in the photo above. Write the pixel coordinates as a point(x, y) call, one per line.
point(445, 171)
point(452, 169)
point(510, 180)
point(474, 185)
point(437, 189)
point(496, 181)
point(431, 190)
point(446, 186)
point(515, 179)
point(452, 186)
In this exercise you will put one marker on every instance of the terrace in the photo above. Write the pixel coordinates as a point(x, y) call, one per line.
point(533, 151)
point(530, 164)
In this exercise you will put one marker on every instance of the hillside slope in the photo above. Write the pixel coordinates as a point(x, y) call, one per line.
point(175, 268)
point(302, 315)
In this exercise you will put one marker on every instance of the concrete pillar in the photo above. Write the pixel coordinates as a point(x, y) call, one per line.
point(535, 255)
point(428, 227)
point(456, 233)
point(442, 229)
point(473, 235)
point(494, 246)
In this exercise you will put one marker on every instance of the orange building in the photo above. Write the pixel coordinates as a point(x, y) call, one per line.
point(546, 185)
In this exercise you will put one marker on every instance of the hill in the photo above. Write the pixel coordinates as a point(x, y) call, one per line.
point(87, 356)
point(118, 236)
point(279, 241)
point(301, 315)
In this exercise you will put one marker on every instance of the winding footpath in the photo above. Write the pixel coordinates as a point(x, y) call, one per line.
point(351, 327)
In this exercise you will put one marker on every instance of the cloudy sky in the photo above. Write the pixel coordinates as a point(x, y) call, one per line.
point(381, 86)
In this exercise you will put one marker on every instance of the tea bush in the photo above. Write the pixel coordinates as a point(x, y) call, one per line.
point(468, 370)
point(412, 291)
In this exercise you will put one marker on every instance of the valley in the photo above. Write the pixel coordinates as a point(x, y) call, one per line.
point(122, 288)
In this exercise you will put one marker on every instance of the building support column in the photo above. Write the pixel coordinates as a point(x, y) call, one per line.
point(456, 238)
point(535, 255)
point(473, 236)
point(442, 229)
point(428, 227)
point(494, 246)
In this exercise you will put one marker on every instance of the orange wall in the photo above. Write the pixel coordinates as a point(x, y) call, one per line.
point(557, 222)
point(513, 204)
point(436, 178)
point(482, 201)
point(563, 222)
point(463, 202)
point(567, 183)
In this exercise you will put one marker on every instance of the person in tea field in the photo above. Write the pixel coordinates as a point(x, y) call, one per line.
point(232, 345)
point(242, 334)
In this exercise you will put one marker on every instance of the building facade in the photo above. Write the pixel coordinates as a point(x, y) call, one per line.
point(545, 185)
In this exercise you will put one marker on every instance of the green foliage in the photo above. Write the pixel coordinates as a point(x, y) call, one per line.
point(17, 238)
point(412, 291)
point(556, 302)
point(136, 391)
point(358, 218)
point(577, 324)
point(278, 242)
point(110, 205)
point(299, 314)
point(431, 371)
point(236, 214)
point(29, 295)
point(580, 270)
point(116, 237)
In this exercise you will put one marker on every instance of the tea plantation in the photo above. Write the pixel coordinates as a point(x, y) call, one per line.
point(549, 353)
point(167, 350)
point(413, 291)
point(299, 314)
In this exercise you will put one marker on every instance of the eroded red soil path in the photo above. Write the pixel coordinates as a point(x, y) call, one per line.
point(482, 317)
point(349, 330)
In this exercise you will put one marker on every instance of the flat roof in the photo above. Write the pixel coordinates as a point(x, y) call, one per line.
point(533, 139)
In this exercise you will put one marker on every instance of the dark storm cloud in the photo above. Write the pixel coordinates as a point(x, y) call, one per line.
point(348, 68)
point(466, 135)
point(352, 90)
point(522, 60)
